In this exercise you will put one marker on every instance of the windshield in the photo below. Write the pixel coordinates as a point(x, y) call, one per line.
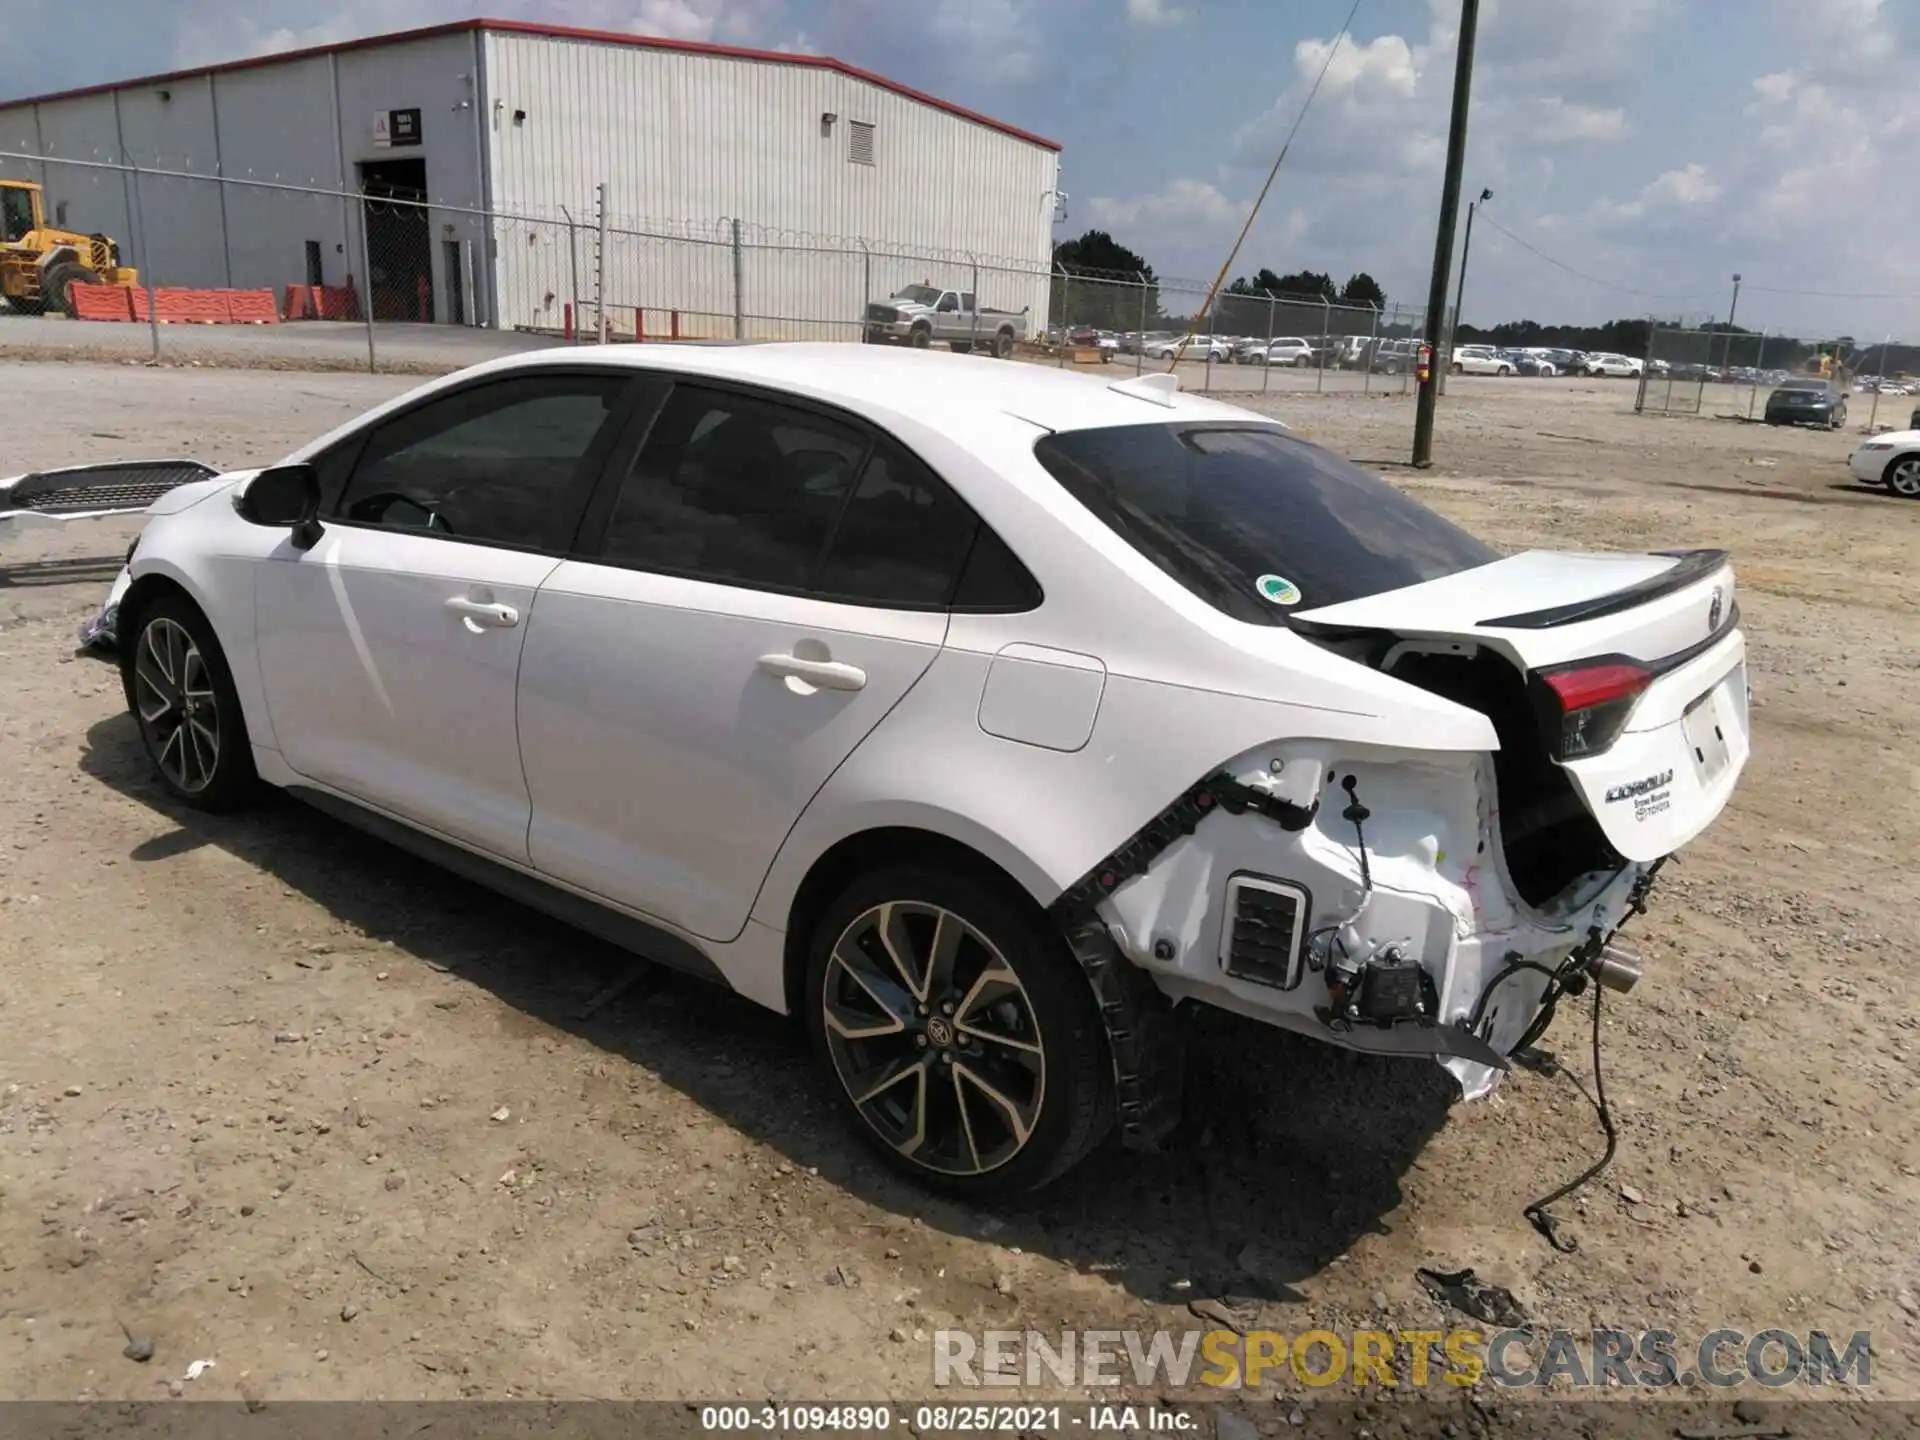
point(1255, 521)
point(919, 294)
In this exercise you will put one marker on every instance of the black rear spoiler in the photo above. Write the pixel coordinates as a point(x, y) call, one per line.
point(1694, 565)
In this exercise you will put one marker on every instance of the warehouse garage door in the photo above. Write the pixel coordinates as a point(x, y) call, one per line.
point(399, 238)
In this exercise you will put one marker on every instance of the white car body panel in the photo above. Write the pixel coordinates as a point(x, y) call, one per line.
point(627, 740)
point(636, 684)
point(379, 687)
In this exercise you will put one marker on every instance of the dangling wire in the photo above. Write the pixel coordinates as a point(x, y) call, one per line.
point(1206, 307)
point(1541, 1218)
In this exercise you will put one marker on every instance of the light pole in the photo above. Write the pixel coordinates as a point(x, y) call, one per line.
point(1460, 287)
point(1727, 354)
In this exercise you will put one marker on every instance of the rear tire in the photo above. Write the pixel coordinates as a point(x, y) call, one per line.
point(181, 692)
point(1003, 344)
point(958, 1031)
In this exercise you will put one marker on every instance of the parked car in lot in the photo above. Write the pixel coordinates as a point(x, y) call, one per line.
point(1891, 459)
point(1199, 347)
point(1396, 357)
point(1807, 400)
point(660, 639)
point(1534, 363)
point(1612, 366)
point(1292, 350)
point(918, 315)
point(1480, 360)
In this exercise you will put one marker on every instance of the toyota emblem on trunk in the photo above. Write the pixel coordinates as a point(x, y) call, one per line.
point(1713, 610)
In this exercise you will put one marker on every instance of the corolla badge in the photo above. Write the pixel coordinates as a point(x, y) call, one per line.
point(1715, 608)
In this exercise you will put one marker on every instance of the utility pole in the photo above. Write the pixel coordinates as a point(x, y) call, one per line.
point(1460, 286)
point(1443, 238)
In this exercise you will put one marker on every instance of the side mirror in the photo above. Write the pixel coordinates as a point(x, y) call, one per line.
point(286, 497)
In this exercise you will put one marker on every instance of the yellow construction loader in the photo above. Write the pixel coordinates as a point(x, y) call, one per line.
point(38, 263)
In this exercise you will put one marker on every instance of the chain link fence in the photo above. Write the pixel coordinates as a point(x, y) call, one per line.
point(1242, 342)
point(383, 274)
point(1728, 374)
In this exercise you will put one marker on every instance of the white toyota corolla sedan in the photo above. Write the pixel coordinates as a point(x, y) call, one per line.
point(979, 715)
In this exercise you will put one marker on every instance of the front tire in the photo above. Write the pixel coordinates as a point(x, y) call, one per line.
point(921, 337)
point(1902, 477)
point(59, 280)
point(960, 1035)
point(182, 696)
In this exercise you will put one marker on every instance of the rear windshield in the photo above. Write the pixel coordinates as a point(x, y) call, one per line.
point(1256, 522)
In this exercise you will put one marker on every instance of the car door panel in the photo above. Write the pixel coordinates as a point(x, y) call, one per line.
point(386, 675)
point(667, 749)
point(745, 605)
point(390, 649)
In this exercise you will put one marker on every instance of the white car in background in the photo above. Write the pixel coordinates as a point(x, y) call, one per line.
point(1480, 360)
point(1197, 347)
point(1290, 350)
point(1617, 367)
point(975, 715)
point(1892, 459)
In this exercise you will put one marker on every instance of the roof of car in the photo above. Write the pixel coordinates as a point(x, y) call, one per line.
point(936, 387)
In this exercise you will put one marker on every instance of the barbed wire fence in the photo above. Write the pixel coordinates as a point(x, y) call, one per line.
point(367, 267)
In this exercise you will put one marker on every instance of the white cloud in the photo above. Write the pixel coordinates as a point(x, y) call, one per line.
point(1187, 202)
point(989, 39)
point(1559, 120)
point(1157, 12)
point(1381, 66)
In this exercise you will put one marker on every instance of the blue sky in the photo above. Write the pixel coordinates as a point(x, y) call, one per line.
point(1654, 145)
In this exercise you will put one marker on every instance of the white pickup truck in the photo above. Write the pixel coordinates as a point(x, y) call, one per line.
point(918, 315)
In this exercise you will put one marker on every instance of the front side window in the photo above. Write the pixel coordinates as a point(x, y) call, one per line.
point(16, 213)
point(736, 489)
point(1256, 522)
point(499, 464)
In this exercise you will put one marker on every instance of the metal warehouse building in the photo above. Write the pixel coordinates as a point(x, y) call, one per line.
point(515, 170)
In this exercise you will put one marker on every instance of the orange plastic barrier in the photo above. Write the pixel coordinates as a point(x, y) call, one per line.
point(101, 302)
point(174, 305)
point(251, 307)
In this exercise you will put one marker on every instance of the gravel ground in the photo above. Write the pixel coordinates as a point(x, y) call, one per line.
point(275, 1095)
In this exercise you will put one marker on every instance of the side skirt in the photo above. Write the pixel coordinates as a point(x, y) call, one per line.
point(650, 942)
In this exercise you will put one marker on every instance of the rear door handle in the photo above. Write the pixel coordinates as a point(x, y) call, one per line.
point(820, 674)
point(483, 614)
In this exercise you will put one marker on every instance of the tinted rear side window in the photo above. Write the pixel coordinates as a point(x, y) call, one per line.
point(1256, 522)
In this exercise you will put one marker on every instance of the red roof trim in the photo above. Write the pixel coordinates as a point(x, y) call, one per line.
point(556, 32)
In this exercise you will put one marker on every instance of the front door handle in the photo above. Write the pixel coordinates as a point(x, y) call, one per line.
point(481, 615)
point(817, 674)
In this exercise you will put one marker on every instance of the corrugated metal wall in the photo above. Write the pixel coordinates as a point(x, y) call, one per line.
point(275, 122)
point(687, 143)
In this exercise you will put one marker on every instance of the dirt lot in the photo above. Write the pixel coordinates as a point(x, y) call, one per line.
point(277, 1096)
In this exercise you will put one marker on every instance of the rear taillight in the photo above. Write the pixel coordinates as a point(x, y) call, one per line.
point(1594, 702)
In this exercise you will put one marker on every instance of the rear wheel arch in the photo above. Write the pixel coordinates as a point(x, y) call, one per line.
point(847, 859)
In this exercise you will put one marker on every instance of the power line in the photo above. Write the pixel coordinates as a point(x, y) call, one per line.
point(1559, 264)
point(1220, 279)
point(1841, 294)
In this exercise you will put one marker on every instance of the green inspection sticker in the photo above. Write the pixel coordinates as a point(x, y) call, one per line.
point(1277, 590)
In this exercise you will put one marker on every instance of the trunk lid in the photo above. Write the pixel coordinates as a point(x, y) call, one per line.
point(1635, 665)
